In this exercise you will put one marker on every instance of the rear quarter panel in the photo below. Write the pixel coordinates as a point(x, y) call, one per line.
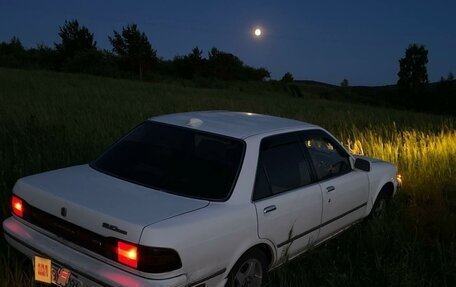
point(208, 240)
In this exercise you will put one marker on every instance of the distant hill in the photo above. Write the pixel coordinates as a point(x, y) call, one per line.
point(313, 83)
point(383, 87)
point(437, 97)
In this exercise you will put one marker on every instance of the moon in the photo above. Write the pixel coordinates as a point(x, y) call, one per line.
point(257, 32)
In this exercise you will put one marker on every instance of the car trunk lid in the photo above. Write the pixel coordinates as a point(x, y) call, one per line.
point(100, 203)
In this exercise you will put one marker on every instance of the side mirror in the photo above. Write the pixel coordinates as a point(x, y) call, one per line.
point(362, 164)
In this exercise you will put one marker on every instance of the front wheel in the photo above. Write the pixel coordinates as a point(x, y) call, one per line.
point(379, 206)
point(249, 270)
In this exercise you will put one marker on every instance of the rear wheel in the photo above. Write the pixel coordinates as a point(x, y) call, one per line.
point(249, 271)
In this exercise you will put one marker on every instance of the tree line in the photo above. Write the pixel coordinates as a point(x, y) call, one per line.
point(131, 56)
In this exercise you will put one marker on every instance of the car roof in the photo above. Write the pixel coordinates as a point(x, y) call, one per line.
point(233, 124)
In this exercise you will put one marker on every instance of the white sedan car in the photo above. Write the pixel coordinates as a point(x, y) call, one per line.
point(194, 199)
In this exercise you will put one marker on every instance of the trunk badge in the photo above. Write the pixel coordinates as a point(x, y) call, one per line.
point(63, 212)
point(113, 228)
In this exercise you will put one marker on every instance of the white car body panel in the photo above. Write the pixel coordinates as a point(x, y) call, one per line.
point(233, 124)
point(382, 172)
point(213, 233)
point(208, 236)
point(92, 198)
point(296, 212)
point(348, 198)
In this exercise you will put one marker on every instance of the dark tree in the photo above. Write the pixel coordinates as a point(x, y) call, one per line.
point(261, 74)
point(413, 72)
point(75, 39)
point(287, 78)
point(444, 96)
point(196, 55)
point(219, 65)
point(344, 83)
point(196, 61)
point(44, 57)
point(13, 54)
point(134, 48)
point(225, 66)
point(13, 47)
point(182, 68)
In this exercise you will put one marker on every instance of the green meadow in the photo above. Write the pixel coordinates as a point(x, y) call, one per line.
point(51, 120)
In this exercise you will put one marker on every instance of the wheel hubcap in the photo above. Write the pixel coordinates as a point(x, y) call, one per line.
point(380, 207)
point(249, 275)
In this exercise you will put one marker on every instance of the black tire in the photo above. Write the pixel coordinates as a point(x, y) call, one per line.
point(249, 271)
point(380, 204)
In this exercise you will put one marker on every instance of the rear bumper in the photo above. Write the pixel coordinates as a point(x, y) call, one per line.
point(91, 271)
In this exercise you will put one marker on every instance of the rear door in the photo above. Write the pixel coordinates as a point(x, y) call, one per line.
point(345, 191)
point(288, 201)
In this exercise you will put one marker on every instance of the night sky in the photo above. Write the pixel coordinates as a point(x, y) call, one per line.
point(314, 40)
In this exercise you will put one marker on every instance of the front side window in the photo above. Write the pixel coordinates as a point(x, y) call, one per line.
point(176, 160)
point(327, 157)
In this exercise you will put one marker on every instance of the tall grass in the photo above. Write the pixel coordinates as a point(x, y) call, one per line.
point(15, 269)
point(51, 120)
point(427, 163)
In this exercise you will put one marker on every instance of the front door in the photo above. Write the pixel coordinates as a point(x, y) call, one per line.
point(345, 191)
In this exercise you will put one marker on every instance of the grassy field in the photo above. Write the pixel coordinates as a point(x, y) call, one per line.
point(51, 120)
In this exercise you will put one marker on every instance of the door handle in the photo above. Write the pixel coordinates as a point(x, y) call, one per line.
point(269, 209)
point(330, 188)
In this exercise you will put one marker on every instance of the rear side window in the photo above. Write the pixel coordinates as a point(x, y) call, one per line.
point(282, 166)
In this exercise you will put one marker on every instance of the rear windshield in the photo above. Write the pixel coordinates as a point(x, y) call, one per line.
point(176, 160)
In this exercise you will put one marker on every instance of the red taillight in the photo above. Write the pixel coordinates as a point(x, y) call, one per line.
point(17, 206)
point(127, 254)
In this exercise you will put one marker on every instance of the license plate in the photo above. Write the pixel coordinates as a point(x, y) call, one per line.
point(51, 273)
point(43, 270)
